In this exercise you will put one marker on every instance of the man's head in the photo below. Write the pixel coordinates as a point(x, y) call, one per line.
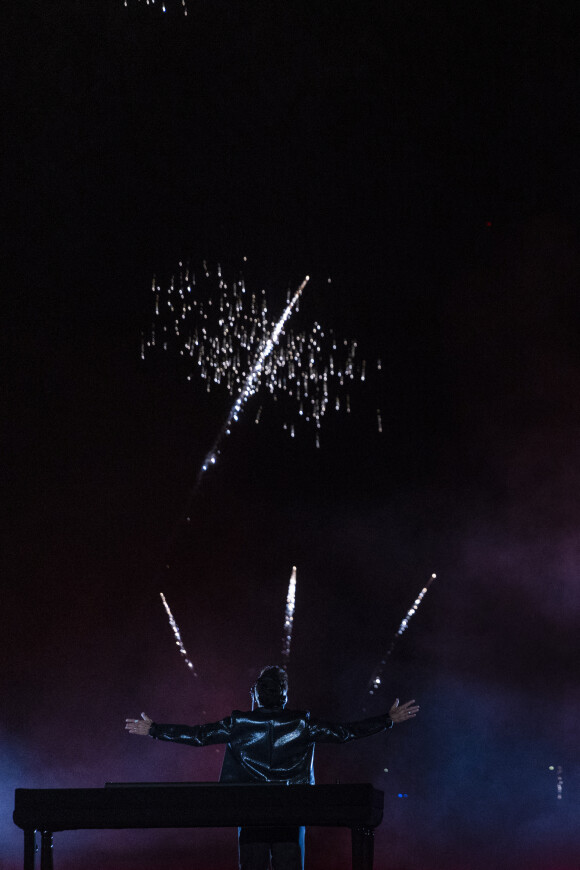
point(271, 688)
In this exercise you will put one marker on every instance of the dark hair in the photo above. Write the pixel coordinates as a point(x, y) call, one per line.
point(271, 687)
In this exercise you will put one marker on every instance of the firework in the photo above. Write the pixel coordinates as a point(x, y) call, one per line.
point(226, 340)
point(289, 617)
point(177, 634)
point(162, 4)
point(375, 682)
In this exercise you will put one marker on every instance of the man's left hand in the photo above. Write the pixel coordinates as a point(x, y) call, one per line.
point(403, 712)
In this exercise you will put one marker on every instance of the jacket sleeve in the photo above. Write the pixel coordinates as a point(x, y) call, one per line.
point(332, 732)
point(195, 735)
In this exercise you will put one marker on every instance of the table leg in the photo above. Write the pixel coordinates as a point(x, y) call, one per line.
point(363, 842)
point(46, 851)
point(29, 848)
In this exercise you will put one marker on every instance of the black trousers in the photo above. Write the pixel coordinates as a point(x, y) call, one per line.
point(283, 845)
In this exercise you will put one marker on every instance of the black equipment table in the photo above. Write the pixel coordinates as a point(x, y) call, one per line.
point(197, 805)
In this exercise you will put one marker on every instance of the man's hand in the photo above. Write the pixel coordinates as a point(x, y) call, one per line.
point(402, 713)
point(139, 726)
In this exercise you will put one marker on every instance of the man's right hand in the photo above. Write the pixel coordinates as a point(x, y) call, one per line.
point(139, 726)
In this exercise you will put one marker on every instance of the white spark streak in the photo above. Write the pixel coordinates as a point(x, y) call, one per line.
point(256, 371)
point(416, 604)
point(177, 634)
point(289, 616)
point(253, 376)
point(375, 682)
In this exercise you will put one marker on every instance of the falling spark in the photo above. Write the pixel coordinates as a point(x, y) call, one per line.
point(161, 4)
point(177, 634)
point(289, 616)
point(375, 682)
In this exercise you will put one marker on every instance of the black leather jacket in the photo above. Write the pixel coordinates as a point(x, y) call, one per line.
point(269, 745)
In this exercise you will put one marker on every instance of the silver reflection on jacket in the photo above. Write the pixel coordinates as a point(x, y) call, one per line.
point(274, 745)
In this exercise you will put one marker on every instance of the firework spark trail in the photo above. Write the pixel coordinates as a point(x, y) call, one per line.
point(559, 781)
point(252, 378)
point(289, 617)
point(375, 682)
point(177, 634)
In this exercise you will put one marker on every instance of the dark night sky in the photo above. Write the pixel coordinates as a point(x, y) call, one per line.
point(424, 156)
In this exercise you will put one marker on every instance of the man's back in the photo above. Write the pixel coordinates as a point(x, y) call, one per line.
point(269, 746)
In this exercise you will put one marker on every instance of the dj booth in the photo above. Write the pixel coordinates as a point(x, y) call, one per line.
point(196, 805)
